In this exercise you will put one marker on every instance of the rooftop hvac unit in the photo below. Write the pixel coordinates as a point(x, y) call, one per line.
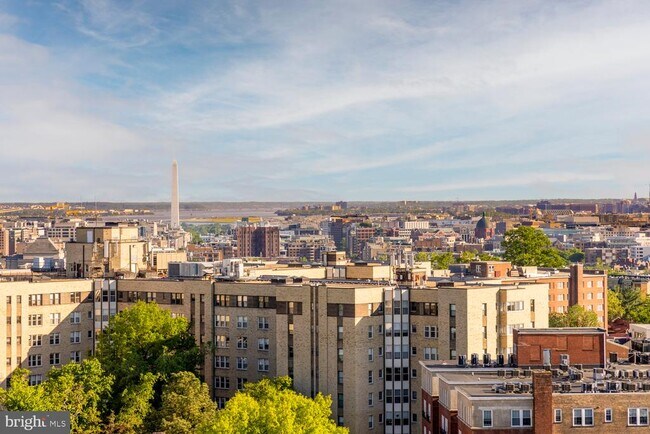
point(646, 387)
point(578, 366)
point(512, 360)
point(516, 373)
point(501, 373)
point(462, 360)
point(474, 359)
point(556, 387)
point(587, 387)
point(613, 357)
point(566, 387)
point(599, 374)
point(487, 360)
point(500, 360)
point(564, 359)
point(526, 387)
point(528, 372)
point(555, 372)
point(510, 387)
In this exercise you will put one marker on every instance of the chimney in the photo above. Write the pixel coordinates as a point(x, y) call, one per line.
point(542, 402)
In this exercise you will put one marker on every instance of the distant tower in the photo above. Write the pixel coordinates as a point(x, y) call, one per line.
point(176, 219)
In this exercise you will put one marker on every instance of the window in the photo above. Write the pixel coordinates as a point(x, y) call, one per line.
point(55, 318)
point(515, 305)
point(222, 321)
point(242, 363)
point(452, 311)
point(263, 344)
point(34, 360)
point(55, 298)
point(222, 341)
point(35, 340)
point(340, 400)
point(222, 383)
point(222, 362)
point(340, 355)
point(339, 332)
point(371, 422)
point(9, 299)
point(370, 309)
point(370, 377)
point(339, 376)
point(55, 338)
point(36, 320)
point(90, 334)
point(484, 309)
point(583, 417)
point(242, 322)
point(371, 401)
point(35, 379)
point(75, 317)
point(371, 354)
point(431, 309)
point(370, 332)
point(242, 343)
point(241, 382)
point(521, 418)
point(177, 298)
point(637, 416)
point(608, 415)
point(36, 299)
point(558, 415)
point(263, 365)
point(430, 354)
point(75, 297)
point(242, 301)
point(75, 337)
point(262, 323)
point(55, 358)
point(431, 332)
point(452, 333)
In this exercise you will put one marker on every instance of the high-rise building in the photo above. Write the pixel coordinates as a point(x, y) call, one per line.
point(175, 208)
point(258, 241)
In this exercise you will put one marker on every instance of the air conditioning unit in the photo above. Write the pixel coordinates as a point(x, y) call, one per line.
point(564, 359)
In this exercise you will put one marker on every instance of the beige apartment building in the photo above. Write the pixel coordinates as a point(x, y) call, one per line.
point(105, 251)
point(48, 323)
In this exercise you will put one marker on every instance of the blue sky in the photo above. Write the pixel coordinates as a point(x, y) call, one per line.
point(302, 100)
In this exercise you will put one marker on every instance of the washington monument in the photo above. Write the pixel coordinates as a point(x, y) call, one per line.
point(176, 219)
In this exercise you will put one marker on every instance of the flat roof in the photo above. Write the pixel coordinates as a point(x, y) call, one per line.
point(562, 331)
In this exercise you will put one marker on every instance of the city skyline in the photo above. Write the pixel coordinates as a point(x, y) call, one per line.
point(317, 102)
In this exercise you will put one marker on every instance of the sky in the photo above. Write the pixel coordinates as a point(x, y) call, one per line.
point(324, 100)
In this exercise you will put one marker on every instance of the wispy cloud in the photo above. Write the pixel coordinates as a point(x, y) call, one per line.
point(371, 99)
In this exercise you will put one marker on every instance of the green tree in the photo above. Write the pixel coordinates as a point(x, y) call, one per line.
point(576, 316)
point(186, 404)
point(615, 309)
point(136, 407)
point(145, 338)
point(528, 246)
point(422, 257)
point(270, 406)
point(20, 396)
point(83, 389)
point(488, 257)
point(441, 261)
point(573, 255)
point(467, 256)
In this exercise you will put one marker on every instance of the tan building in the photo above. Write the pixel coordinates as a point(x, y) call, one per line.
point(48, 323)
point(105, 251)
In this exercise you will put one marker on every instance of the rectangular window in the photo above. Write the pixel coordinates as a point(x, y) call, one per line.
point(75, 337)
point(242, 363)
point(177, 298)
point(431, 332)
point(34, 360)
point(242, 343)
point(371, 422)
point(371, 354)
point(262, 323)
point(557, 415)
point(35, 379)
point(242, 301)
point(221, 382)
point(36, 299)
point(487, 418)
point(370, 332)
point(370, 377)
point(75, 297)
point(608, 415)
point(452, 310)
point(637, 416)
point(55, 298)
point(430, 354)
point(484, 309)
point(55, 358)
point(75, 317)
point(263, 344)
point(263, 365)
point(75, 356)
point(370, 399)
point(55, 338)
point(35, 340)
point(55, 318)
point(222, 341)
point(222, 321)
point(222, 362)
point(241, 382)
point(583, 417)
point(242, 322)
point(36, 320)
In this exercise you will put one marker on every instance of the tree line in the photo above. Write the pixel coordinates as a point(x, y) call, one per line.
point(144, 378)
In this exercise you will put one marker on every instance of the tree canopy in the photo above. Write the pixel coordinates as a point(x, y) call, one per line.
point(528, 246)
point(146, 338)
point(271, 406)
point(576, 316)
